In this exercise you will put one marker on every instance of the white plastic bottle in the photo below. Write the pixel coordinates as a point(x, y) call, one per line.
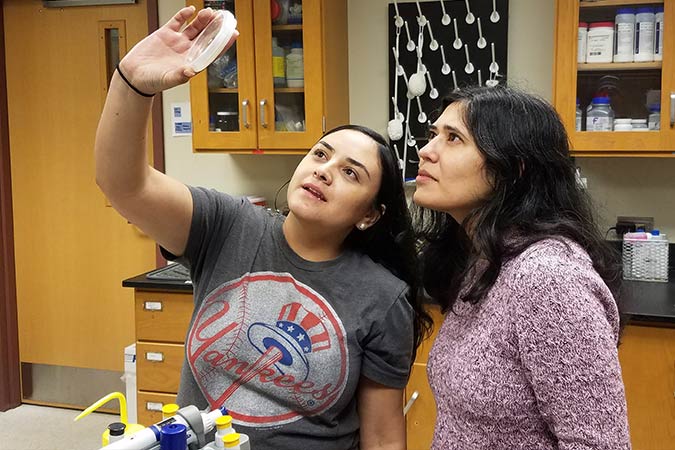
point(644, 34)
point(624, 33)
point(278, 64)
point(582, 37)
point(295, 69)
point(601, 115)
point(658, 34)
point(231, 441)
point(654, 117)
point(600, 42)
point(223, 428)
point(579, 117)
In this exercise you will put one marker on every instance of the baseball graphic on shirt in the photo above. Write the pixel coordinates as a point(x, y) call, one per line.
point(268, 348)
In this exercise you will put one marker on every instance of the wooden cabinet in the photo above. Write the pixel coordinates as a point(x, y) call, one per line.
point(162, 320)
point(238, 107)
point(647, 355)
point(630, 86)
point(421, 417)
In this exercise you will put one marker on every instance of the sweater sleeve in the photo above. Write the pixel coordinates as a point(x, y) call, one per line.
point(566, 326)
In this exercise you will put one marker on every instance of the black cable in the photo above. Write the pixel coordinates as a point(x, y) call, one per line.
point(276, 196)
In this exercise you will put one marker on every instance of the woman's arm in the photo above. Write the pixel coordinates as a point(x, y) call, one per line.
point(381, 416)
point(157, 204)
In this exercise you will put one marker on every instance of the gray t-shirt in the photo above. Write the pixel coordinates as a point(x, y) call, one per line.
point(282, 342)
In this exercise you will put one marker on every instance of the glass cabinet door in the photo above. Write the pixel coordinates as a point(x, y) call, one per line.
point(289, 76)
point(223, 95)
point(620, 89)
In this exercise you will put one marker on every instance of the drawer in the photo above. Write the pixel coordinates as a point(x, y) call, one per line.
point(162, 316)
point(149, 406)
point(158, 366)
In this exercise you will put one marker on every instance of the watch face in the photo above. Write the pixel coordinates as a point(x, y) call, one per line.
point(211, 41)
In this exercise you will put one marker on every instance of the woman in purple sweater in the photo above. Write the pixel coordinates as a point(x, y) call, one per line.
point(527, 355)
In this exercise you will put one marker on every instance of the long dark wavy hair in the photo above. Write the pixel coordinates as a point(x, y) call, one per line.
point(391, 240)
point(535, 196)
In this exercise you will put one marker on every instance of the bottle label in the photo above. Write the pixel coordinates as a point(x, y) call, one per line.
point(278, 67)
point(598, 124)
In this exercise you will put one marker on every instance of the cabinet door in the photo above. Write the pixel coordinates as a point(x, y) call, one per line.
point(290, 96)
point(223, 96)
point(631, 86)
point(647, 356)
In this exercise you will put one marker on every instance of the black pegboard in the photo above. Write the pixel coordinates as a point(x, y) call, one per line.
point(496, 33)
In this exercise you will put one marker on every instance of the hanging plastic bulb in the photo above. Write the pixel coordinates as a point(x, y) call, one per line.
point(398, 20)
point(445, 68)
point(433, 93)
point(410, 45)
point(445, 20)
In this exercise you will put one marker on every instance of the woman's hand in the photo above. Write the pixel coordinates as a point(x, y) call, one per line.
point(158, 61)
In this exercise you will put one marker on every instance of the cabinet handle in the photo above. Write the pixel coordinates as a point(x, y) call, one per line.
point(672, 109)
point(263, 123)
point(154, 356)
point(244, 110)
point(412, 400)
point(152, 306)
point(153, 406)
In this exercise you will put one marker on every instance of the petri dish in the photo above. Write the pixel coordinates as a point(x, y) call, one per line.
point(211, 41)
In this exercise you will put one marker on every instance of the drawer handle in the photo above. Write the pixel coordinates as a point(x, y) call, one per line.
point(672, 109)
point(154, 406)
point(154, 356)
point(152, 306)
point(412, 400)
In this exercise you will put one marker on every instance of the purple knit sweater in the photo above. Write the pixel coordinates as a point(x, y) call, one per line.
point(534, 365)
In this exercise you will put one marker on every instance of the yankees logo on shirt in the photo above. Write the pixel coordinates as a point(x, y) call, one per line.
point(268, 348)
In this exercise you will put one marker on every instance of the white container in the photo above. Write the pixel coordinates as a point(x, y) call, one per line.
point(624, 33)
point(658, 34)
point(579, 118)
point(644, 34)
point(129, 379)
point(623, 125)
point(601, 116)
point(639, 124)
point(278, 64)
point(654, 122)
point(582, 37)
point(600, 42)
point(295, 69)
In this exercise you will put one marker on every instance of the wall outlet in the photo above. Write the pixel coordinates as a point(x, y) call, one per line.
point(628, 224)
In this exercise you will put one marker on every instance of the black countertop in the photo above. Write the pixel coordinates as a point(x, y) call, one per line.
point(639, 300)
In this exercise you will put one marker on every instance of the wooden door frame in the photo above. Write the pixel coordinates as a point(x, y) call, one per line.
point(10, 381)
point(10, 384)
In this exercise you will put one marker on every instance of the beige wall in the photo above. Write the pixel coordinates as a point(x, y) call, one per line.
point(619, 186)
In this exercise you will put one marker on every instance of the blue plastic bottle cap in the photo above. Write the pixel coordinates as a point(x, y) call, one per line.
point(625, 11)
point(643, 10)
point(655, 232)
point(211, 41)
point(601, 100)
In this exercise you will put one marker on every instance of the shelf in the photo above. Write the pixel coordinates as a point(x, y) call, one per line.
point(606, 67)
point(294, 27)
point(224, 91)
point(288, 90)
point(601, 3)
